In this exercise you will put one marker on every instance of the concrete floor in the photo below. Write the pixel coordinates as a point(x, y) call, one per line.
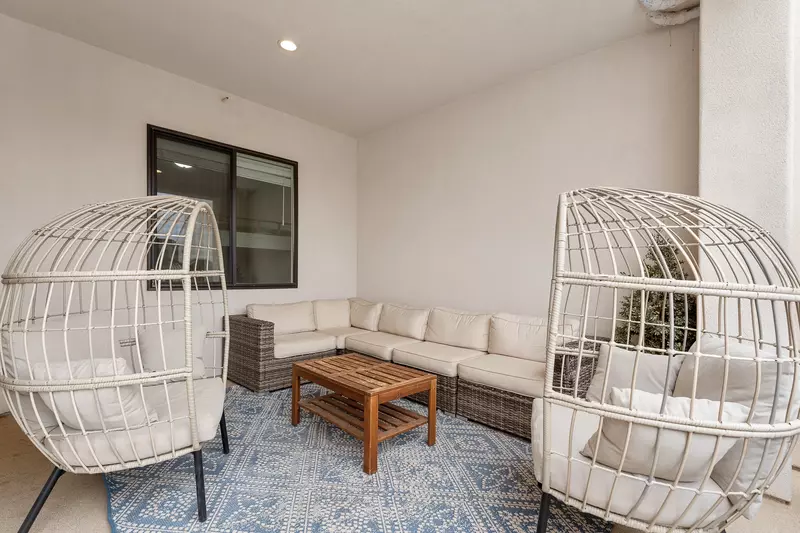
point(78, 503)
point(774, 516)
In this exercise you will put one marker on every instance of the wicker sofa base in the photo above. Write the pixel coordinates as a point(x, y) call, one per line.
point(446, 390)
point(271, 374)
point(503, 410)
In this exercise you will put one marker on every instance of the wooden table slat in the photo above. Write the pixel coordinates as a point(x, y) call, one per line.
point(330, 408)
point(335, 408)
point(322, 412)
point(383, 435)
point(358, 411)
point(365, 376)
point(348, 380)
point(383, 414)
point(399, 412)
point(403, 372)
point(334, 367)
point(383, 374)
point(366, 383)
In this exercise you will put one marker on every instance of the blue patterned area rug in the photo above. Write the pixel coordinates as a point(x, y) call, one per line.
point(280, 478)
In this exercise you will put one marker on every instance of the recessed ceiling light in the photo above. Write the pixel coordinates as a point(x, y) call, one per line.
point(287, 45)
point(158, 170)
point(183, 165)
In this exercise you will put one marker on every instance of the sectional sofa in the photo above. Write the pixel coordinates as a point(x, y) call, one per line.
point(489, 367)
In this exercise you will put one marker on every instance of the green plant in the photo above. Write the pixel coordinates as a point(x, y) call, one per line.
point(657, 305)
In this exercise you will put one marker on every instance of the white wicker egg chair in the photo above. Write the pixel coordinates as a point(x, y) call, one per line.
point(114, 329)
point(676, 405)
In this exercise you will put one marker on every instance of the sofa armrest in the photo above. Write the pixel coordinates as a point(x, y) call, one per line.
point(252, 338)
point(565, 372)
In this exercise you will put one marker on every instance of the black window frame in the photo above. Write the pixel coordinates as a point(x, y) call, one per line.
point(156, 132)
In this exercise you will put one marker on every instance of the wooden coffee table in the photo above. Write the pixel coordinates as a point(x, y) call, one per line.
point(362, 387)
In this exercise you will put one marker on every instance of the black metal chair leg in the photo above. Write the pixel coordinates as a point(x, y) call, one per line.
point(544, 514)
point(39, 503)
point(223, 429)
point(201, 486)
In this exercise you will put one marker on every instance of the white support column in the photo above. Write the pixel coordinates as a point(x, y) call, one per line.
point(747, 118)
point(746, 89)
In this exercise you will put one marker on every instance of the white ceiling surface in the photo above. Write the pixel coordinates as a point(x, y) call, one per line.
point(361, 64)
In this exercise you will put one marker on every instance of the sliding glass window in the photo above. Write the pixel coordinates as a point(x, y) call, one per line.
point(253, 195)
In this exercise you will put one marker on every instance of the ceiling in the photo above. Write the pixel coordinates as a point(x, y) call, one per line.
point(361, 64)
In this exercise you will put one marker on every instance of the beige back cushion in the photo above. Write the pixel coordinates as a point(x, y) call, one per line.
point(404, 321)
point(288, 318)
point(20, 348)
point(741, 388)
point(644, 440)
point(364, 314)
point(652, 372)
point(523, 336)
point(332, 313)
point(164, 348)
point(458, 328)
point(112, 407)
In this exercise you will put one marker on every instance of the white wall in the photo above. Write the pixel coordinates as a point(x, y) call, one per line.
point(456, 206)
point(73, 130)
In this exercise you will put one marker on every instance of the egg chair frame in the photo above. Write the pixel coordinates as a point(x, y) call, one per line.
point(114, 325)
point(614, 258)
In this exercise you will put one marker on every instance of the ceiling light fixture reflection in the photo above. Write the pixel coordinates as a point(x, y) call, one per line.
point(287, 45)
point(183, 165)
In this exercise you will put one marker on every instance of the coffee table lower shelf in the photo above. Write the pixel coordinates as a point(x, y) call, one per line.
point(348, 415)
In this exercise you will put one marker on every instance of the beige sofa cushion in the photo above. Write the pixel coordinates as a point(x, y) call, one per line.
point(35, 412)
point(332, 314)
point(303, 343)
point(458, 328)
point(341, 334)
point(670, 444)
point(437, 358)
point(741, 388)
point(506, 373)
point(628, 490)
point(651, 374)
point(404, 321)
point(364, 314)
point(164, 348)
point(146, 442)
point(377, 344)
point(523, 336)
point(20, 348)
point(288, 318)
point(105, 408)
